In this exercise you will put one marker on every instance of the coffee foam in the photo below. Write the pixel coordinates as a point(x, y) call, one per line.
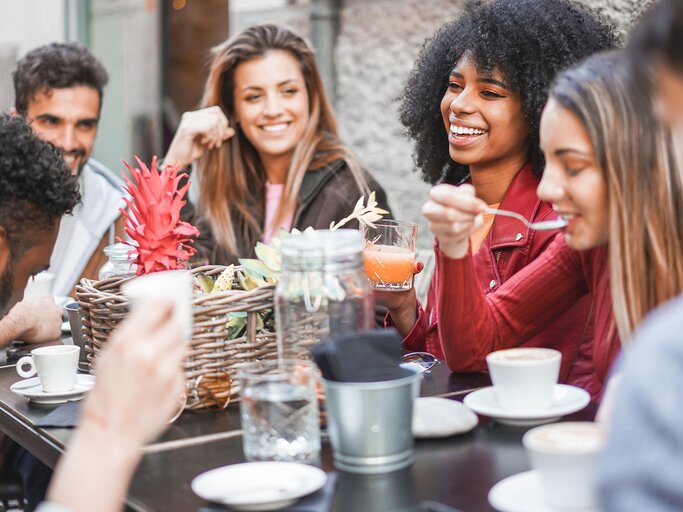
point(567, 438)
point(523, 355)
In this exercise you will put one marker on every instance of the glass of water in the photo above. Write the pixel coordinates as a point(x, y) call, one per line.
point(279, 411)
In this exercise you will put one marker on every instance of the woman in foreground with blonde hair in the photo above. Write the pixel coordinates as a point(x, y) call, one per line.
point(612, 175)
point(267, 146)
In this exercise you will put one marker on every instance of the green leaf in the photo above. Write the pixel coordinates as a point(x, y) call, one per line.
point(236, 327)
point(269, 256)
point(249, 282)
point(257, 269)
point(204, 281)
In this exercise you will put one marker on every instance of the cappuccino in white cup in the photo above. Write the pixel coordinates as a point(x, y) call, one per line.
point(565, 455)
point(524, 379)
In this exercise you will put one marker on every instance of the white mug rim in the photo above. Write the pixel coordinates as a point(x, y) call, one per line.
point(553, 356)
point(529, 443)
point(55, 350)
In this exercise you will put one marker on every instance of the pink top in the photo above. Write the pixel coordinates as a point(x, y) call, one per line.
point(273, 199)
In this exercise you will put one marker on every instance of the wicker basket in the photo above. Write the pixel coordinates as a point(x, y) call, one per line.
point(102, 307)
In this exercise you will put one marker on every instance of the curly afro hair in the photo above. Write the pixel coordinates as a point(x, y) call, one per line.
point(36, 187)
point(56, 66)
point(528, 41)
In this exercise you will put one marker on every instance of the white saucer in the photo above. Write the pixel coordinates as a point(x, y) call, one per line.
point(440, 417)
point(259, 485)
point(522, 493)
point(566, 400)
point(31, 389)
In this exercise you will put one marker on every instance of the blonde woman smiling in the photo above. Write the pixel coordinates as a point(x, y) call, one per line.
point(267, 145)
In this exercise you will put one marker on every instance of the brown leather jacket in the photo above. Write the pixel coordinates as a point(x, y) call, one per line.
point(327, 195)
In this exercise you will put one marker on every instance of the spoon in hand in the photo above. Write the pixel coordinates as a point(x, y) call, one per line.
point(545, 225)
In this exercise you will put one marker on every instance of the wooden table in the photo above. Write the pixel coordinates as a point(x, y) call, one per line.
point(457, 471)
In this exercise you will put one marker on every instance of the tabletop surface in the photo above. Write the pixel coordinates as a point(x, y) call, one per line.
point(457, 471)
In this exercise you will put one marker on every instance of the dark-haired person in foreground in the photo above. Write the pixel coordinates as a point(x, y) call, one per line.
point(473, 105)
point(36, 190)
point(58, 89)
point(642, 468)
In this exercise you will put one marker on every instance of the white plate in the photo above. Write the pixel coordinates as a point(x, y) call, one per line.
point(31, 389)
point(259, 485)
point(522, 493)
point(566, 400)
point(440, 417)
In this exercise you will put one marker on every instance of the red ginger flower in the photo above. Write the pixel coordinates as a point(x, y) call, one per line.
point(162, 240)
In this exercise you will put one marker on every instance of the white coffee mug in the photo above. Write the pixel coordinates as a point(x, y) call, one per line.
point(170, 284)
point(39, 285)
point(524, 379)
point(56, 367)
point(565, 455)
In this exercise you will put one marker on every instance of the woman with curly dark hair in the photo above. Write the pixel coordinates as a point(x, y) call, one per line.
point(473, 104)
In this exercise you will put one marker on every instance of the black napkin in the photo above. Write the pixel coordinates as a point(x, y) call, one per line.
point(64, 416)
point(369, 356)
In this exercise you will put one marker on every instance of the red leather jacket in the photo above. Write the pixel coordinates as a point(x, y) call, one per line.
point(508, 248)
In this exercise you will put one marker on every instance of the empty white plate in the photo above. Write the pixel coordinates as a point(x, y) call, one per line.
point(566, 400)
point(522, 493)
point(440, 417)
point(31, 389)
point(259, 485)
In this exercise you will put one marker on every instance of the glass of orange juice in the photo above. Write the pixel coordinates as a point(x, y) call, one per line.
point(389, 254)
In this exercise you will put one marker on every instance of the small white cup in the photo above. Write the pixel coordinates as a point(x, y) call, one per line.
point(565, 455)
point(170, 284)
point(39, 285)
point(56, 367)
point(524, 379)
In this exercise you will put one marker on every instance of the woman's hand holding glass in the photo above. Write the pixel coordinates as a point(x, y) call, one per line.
point(402, 305)
point(454, 213)
point(199, 131)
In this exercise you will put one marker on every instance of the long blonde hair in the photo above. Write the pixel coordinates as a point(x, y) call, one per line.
point(232, 179)
point(644, 187)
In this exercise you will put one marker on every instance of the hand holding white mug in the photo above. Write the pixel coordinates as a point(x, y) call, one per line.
point(454, 213)
point(139, 376)
point(139, 379)
point(199, 131)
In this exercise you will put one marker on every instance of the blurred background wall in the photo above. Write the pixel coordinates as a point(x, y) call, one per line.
point(155, 52)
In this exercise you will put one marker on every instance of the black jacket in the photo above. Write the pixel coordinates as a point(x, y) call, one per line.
point(327, 195)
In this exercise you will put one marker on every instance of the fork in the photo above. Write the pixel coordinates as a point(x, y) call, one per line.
point(544, 225)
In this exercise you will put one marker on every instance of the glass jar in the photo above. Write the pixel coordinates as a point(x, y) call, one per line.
point(322, 290)
point(120, 263)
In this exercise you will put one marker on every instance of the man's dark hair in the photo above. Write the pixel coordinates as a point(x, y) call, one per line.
point(36, 187)
point(660, 34)
point(56, 66)
point(527, 40)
